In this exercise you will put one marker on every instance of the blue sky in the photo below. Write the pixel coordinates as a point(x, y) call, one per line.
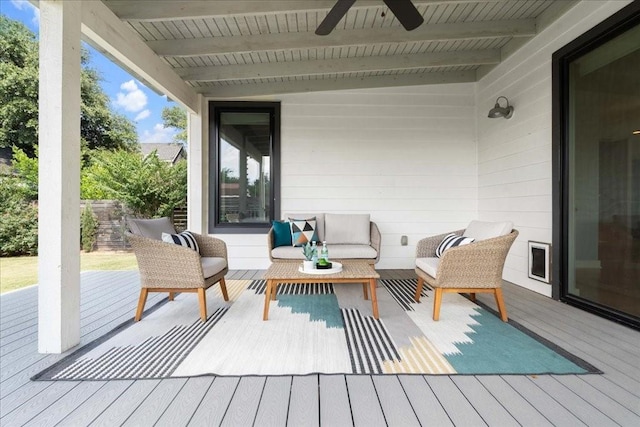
point(128, 96)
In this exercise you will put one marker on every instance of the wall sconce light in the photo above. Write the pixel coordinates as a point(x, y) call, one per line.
point(498, 111)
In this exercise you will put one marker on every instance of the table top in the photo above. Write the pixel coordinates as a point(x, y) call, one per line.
point(350, 270)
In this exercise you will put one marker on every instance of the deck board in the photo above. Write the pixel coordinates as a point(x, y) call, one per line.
point(110, 298)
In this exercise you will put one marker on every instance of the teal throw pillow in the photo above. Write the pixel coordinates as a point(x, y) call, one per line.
point(281, 233)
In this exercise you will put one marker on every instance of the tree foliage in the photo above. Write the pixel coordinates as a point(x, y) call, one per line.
point(100, 126)
point(176, 117)
point(147, 186)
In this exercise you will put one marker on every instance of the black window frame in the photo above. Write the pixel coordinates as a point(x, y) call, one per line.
point(215, 109)
point(618, 23)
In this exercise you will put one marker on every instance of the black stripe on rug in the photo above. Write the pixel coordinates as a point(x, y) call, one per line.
point(368, 341)
point(259, 287)
point(403, 291)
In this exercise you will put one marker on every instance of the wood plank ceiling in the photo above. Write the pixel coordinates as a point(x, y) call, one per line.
point(250, 48)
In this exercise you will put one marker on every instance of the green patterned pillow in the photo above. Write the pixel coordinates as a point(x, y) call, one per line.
point(303, 231)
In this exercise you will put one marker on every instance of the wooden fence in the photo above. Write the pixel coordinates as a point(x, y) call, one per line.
point(112, 216)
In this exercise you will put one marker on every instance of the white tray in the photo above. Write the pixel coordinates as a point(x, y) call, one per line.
point(336, 268)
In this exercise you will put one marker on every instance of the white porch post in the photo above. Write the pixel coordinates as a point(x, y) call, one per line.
point(198, 165)
point(59, 177)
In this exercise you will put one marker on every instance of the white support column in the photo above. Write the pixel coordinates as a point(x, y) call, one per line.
point(59, 177)
point(198, 166)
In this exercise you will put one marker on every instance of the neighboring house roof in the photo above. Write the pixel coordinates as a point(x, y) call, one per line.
point(167, 151)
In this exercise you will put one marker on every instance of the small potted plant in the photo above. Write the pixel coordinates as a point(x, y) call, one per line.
point(307, 250)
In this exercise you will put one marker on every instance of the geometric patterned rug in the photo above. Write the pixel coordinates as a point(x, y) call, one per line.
point(320, 328)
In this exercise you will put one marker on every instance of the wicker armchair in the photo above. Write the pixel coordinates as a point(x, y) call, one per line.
point(165, 267)
point(472, 268)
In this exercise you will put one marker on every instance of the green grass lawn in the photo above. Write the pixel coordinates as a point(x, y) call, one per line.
point(18, 272)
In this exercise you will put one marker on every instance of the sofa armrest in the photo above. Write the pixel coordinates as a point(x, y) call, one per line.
point(376, 239)
point(270, 243)
point(427, 247)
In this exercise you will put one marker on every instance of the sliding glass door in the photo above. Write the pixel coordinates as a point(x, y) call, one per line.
point(602, 177)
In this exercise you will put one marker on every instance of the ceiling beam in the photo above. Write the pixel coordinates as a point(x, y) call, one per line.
point(340, 65)
point(169, 10)
point(302, 86)
point(308, 40)
point(110, 35)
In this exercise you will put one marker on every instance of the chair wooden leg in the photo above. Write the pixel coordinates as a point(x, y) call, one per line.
point(171, 295)
point(500, 303)
point(202, 297)
point(365, 291)
point(141, 302)
point(223, 288)
point(437, 299)
point(419, 289)
point(472, 296)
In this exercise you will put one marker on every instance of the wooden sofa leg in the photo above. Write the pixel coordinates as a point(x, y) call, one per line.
point(171, 295)
point(141, 302)
point(223, 289)
point(202, 297)
point(472, 296)
point(437, 299)
point(500, 303)
point(419, 289)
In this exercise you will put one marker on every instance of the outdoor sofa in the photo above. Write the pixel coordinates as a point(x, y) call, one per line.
point(348, 237)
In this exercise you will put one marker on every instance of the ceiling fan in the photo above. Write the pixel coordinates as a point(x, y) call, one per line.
point(404, 10)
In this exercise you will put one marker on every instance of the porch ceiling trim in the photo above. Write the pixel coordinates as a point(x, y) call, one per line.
point(307, 40)
point(260, 89)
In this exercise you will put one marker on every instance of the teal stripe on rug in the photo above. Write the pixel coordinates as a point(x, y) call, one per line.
point(506, 350)
point(319, 307)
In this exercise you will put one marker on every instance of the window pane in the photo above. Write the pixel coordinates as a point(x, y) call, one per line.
point(244, 165)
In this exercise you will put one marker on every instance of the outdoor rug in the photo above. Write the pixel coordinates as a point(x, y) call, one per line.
point(321, 328)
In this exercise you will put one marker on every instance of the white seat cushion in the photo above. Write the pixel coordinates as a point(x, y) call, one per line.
point(428, 265)
point(482, 230)
point(212, 265)
point(335, 252)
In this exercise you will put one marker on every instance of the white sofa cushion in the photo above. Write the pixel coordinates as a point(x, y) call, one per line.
point(212, 265)
point(319, 221)
point(335, 252)
point(428, 265)
point(349, 229)
point(482, 230)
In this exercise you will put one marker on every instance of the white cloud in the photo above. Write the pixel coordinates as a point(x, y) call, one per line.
point(132, 99)
point(26, 5)
point(159, 133)
point(142, 115)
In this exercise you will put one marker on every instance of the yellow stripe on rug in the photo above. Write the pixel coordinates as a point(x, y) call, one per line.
point(420, 357)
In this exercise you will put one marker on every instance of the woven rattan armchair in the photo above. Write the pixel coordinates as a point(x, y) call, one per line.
point(472, 268)
point(166, 267)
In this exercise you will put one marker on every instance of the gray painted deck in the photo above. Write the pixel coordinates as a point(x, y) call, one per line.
point(109, 298)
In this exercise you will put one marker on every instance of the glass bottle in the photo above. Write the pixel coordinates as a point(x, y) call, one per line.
point(324, 253)
point(314, 253)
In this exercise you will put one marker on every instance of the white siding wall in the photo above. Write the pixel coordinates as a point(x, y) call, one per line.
point(407, 156)
point(514, 156)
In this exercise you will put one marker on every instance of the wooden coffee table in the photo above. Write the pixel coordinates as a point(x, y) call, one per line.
point(352, 272)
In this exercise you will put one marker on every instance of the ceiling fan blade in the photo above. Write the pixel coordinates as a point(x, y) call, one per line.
point(406, 13)
point(334, 16)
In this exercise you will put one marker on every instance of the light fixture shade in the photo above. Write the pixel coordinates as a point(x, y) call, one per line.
point(498, 111)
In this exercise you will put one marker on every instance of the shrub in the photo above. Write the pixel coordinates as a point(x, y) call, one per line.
point(89, 228)
point(18, 219)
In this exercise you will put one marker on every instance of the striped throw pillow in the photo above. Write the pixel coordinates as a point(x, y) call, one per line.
point(185, 239)
point(451, 241)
